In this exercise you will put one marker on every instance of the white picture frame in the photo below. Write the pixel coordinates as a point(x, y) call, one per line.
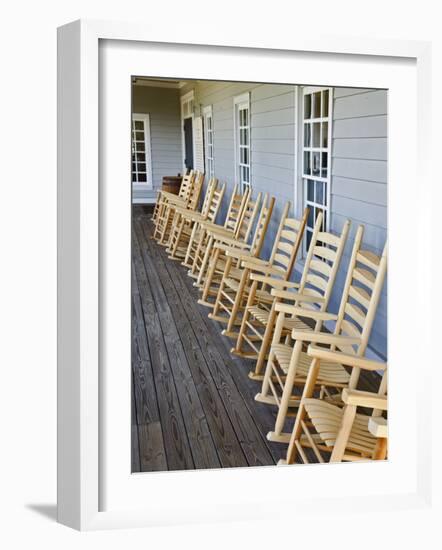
point(95, 489)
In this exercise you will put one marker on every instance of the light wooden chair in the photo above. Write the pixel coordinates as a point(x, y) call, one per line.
point(313, 292)
point(198, 242)
point(223, 245)
point(186, 222)
point(190, 202)
point(333, 433)
point(235, 283)
point(240, 237)
point(195, 250)
point(288, 364)
point(164, 196)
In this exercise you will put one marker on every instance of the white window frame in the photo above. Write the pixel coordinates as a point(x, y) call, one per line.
point(303, 177)
point(208, 140)
point(187, 102)
point(241, 102)
point(148, 184)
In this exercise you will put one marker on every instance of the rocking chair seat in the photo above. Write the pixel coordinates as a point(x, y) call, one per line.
point(327, 421)
point(329, 373)
point(262, 315)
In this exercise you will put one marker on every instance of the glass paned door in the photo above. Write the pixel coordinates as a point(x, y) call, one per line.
point(141, 154)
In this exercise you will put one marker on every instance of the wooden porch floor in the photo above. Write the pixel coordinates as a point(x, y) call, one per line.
point(193, 404)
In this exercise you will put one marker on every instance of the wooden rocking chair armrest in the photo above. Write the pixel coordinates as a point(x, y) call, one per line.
point(212, 226)
point(324, 338)
point(225, 240)
point(263, 268)
point(296, 296)
point(364, 399)
point(378, 426)
point(239, 254)
point(175, 199)
point(345, 359)
point(271, 281)
point(304, 312)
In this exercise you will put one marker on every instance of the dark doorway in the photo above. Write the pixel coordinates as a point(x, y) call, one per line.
point(188, 143)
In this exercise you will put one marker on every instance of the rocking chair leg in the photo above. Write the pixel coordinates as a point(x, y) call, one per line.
point(288, 388)
point(209, 277)
point(204, 262)
point(266, 341)
point(219, 297)
point(238, 300)
point(240, 340)
point(297, 428)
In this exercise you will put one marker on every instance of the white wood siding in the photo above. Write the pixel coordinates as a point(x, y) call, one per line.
point(359, 181)
point(272, 138)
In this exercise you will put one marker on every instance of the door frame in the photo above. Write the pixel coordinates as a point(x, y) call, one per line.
point(190, 96)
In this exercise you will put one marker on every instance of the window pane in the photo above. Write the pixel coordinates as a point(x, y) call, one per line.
point(307, 106)
point(139, 125)
point(141, 167)
point(139, 146)
point(317, 105)
point(315, 162)
point(142, 177)
point(246, 136)
point(246, 156)
point(319, 192)
point(134, 167)
point(317, 134)
point(325, 96)
point(311, 218)
point(325, 134)
point(134, 177)
point(139, 136)
point(311, 190)
point(307, 163)
point(324, 162)
point(141, 157)
point(307, 132)
point(308, 237)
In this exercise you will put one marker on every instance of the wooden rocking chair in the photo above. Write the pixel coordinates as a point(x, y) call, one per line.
point(186, 222)
point(197, 245)
point(313, 292)
point(235, 283)
point(164, 196)
point(288, 365)
point(164, 225)
point(334, 433)
point(240, 238)
point(223, 245)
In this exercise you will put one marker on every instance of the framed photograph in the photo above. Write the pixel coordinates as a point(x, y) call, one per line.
point(238, 227)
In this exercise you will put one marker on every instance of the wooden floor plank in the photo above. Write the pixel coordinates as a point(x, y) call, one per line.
point(225, 442)
point(176, 443)
point(202, 447)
